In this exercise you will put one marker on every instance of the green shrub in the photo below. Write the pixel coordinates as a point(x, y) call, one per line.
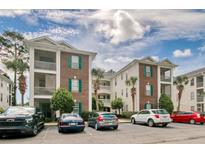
point(1, 110)
point(166, 103)
point(94, 106)
point(127, 114)
point(85, 115)
point(48, 119)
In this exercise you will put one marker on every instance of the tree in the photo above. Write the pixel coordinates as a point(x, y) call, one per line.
point(94, 107)
point(21, 68)
point(100, 105)
point(98, 74)
point(62, 100)
point(166, 103)
point(180, 82)
point(117, 104)
point(11, 49)
point(131, 82)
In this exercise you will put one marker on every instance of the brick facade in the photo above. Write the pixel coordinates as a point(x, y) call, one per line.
point(81, 74)
point(142, 86)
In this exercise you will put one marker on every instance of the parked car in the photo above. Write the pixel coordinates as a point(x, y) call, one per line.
point(70, 122)
point(21, 120)
point(100, 120)
point(188, 117)
point(152, 117)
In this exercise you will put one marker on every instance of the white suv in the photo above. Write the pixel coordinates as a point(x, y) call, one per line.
point(152, 117)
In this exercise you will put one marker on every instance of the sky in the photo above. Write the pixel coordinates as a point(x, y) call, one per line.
point(119, 36)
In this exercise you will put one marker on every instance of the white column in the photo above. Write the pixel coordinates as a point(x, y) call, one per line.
point(90, 85)
point(159, 84)
point(58, 67)
point(31, 56)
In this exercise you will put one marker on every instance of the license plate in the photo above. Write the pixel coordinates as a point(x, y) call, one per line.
point(164, 116)
point(72, 124)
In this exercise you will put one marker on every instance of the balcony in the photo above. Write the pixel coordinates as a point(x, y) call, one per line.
point(200, 97)
point(44, 65)
point(104, 87)
point(199, 81)
point(106, 102)
point(44, 90)
point(165, 74)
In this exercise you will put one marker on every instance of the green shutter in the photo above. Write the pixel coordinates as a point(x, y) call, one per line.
point(80, 62)
point(69, 62)
point(70, 85)
point(145, 70)
point(151, 71)
point(80, 85)
point(151, 90)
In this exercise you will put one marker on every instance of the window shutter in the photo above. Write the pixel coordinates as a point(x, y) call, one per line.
point(69, 85)
point(69, 62)
point(80, 62)
point(151, 71)
point(151, 90)
point(80, 85)
point(144, 70)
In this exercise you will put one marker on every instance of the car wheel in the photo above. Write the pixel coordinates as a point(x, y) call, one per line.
point(59, 130)
point(150, 123)
point(116, 127)
point(192, 121)
point(201, 123)
point(133, 121)
point(164, 125)
point(96, 126)
point(34, 130)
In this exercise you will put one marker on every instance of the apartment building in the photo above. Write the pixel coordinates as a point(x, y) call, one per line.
point(5, 90)
point(154, 78)
point(192, 98)
point(104, 92)
point(57, 64)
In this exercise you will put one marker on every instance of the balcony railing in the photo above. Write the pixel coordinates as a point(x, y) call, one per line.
point(165, 78)
point(45, 65)
point(104, 87)
point(44, 90)
point(106, 102)
point(199, 84)
point(200, 98)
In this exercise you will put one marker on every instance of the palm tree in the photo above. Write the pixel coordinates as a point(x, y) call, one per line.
point(131, 82)
point(98, 74)
point(180, 82)
point(12, 48)
point(21, 68)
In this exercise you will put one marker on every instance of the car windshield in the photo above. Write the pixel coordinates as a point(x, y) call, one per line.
point(19, 110)
point(160, 112)
point(70, 115)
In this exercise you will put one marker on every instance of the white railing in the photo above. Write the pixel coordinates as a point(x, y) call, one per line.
point(44, 65)
point(44, 90)
point(166, 78)
point(104, 87)
point(199, 84)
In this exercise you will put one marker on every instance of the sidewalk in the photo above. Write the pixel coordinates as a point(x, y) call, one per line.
point(55, 123)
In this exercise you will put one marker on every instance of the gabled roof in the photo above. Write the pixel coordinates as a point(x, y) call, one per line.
point(66, 44)
point(195, 72)
point(148, 59)
point(167, 62)
point(44, 39)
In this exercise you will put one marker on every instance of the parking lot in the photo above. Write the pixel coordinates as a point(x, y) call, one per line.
point(127, 133)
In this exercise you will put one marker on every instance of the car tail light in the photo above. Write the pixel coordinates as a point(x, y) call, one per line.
point(61, 123)
point(198, 115)
point(156, 116)
point(100, 118)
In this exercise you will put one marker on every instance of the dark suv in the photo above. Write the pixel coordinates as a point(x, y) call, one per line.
point(21, 120)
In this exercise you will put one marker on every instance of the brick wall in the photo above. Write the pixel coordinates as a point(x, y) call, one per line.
point(81, 74)
point(142, 86)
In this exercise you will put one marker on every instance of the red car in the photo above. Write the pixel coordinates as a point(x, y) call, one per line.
point(188, 117)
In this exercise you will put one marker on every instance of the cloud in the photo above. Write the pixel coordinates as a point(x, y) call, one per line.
point(179, 53)
point(124, 27)
point(14, 13)
point(156, 58)
point(202, 50)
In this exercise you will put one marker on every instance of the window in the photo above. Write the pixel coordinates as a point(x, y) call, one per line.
point(149, 90)
point(75, 62)
point(192, 108)
point(200, 107)
point(126, 92)
point(148, 105)
point(75, 85)
point(1, 98)
point(115, 81)
point(121, 76)
point(192, 95)
point(192, 82)
point(121, 92)
point(126, 76)
point(115, 95)
point(147, 71)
